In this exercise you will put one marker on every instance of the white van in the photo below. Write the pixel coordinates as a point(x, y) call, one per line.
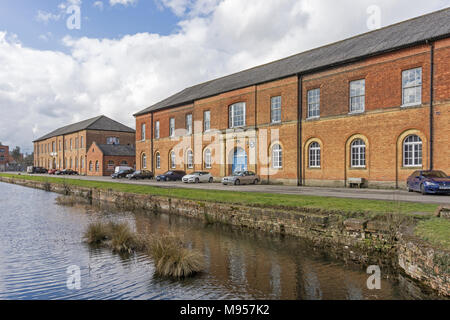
point(121, 168)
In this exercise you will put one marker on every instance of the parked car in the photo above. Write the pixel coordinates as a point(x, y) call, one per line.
point(66, 172)
point(241, 177)
point(122, 168)
point(30, 169)
point(141, 175)
point(198, 177)
point(40, 170)
point(175, 175)
point(426, 182)
point(52, 171)
point(121, 174)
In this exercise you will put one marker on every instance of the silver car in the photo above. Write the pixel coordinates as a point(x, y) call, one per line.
point(241, 177)
point(198, 177)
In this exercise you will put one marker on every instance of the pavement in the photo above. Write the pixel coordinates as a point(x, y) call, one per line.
point(371, 194)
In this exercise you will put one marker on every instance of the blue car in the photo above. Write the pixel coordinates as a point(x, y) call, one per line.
point(429, 182)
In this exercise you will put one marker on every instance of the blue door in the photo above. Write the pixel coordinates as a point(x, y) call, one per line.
point(239, 160)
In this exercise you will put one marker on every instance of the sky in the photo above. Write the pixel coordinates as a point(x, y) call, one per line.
point(63, 61)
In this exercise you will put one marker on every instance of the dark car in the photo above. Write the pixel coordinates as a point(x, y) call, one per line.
point(174, 175)
point(40, 170)
point(66, 172)
point(122, 174)
point(141, 175)
point(426, 182)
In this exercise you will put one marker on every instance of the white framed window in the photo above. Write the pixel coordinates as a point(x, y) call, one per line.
point(143, 132)
point(275, 109)
point(412, 87)
point(97, 166)
point(144, 161)
point(172, 127)
point(82, 162)
point(412, 151)
point(157, 130)
point(277, 157)
point(357, 96)
point(314, 155)
point(208, 159)
point(189, 124)
point(358, 154)
point(314, 103)
point(190, 159)
point(173, 163)
point(112, 140)
point(158, 160)
point(206, 121)
point(111, 165)
point(237, 115)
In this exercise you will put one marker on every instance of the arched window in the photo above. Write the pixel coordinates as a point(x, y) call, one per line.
point(158, 161)
point(111, 165)
point(144, 161)
point(90, 165)
point(412, 151)
point(190, 159)
point(358, 154)
point(124, 163)
point(76, 163)
point(173, 163)
point(82, 162)
point(277, 157)
point(208, 159)
point(97, 166)
point(314, 155)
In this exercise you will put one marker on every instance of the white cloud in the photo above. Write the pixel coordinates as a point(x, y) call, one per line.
point(99, 5)
point(42, 90)
point(122, 2)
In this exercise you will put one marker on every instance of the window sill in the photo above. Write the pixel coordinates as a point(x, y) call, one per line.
point(358, 168)
point(411, 105)
point(356, 113)
point(411, 167)
point(313, 118)
point(315, 168)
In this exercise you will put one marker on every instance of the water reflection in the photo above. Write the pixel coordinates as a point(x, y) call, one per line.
point(40, 240)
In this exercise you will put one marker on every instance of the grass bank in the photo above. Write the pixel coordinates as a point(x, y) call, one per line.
point(436, 231)
point(252, 198)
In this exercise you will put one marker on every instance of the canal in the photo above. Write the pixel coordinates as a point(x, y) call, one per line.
point(40, 240)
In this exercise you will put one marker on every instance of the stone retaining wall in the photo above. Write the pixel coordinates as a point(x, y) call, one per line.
point(362, 240)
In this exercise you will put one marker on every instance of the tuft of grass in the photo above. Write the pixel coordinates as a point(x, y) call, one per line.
point(266, 200)
point(69, 201)
point(436, 231)
point(172, 258)
point(97, 233)
point(123, 240)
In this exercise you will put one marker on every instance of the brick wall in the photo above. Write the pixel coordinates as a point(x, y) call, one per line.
point(383, 125)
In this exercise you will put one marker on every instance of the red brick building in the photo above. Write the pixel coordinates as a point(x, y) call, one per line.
point(375, 106)
point(4, 157)
point(102, 159)
point(66, 147)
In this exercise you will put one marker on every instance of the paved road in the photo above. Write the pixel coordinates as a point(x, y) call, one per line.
point(373, 194)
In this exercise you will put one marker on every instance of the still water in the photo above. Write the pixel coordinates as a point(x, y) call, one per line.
point(40, 240)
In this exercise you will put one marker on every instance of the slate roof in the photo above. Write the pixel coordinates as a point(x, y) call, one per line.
point(117, 150)
point(431, 26)
point(101, 123)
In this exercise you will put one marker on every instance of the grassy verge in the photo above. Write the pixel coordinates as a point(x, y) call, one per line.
point(436, 231)
point(251, 198)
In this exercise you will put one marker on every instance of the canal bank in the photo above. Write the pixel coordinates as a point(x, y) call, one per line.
point(383, 240)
